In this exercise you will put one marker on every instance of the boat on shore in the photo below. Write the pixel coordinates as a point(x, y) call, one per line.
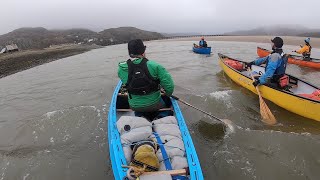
point(118, 150)
point(293, 59)
point(300, 97)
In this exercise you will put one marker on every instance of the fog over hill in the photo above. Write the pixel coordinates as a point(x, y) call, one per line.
point(280, 30)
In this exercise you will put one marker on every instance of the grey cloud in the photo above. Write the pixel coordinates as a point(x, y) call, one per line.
point(204, 16)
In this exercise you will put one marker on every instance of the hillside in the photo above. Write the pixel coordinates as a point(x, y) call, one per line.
point(180, 34)
point(125, 34)
point(39, 38)
point(311, 34)
point(279, 30)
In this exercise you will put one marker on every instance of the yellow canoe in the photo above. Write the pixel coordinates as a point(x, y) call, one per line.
point(298, 98)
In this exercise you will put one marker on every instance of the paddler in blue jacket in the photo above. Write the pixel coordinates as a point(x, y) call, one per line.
point(276, 64)
point(203, 43)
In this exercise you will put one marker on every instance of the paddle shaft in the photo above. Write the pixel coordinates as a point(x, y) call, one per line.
point(253, 81)
point(178, 99)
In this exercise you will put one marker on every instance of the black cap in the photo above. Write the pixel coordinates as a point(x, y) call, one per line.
point(136, 47)
point(278, 42)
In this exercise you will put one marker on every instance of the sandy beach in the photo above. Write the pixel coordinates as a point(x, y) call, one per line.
point(289, 40)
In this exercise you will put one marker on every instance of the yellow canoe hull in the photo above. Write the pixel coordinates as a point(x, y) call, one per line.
point(298, 105)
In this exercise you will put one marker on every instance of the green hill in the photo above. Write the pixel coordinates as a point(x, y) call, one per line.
point(39, 38)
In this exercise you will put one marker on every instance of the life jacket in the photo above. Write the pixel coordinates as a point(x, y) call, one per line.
point(203, 43)
point(140, 81)
point(281, 70)
point(307, 54)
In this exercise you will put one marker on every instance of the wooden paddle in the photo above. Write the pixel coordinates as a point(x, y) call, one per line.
point(265, 112)
point(227, 122)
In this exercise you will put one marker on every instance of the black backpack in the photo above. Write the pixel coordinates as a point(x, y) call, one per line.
point(140, 81)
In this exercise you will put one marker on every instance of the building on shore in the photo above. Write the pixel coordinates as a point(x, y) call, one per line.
point(10, 48)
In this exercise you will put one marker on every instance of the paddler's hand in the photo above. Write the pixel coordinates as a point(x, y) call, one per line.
point(248, 64)
point(256, 83)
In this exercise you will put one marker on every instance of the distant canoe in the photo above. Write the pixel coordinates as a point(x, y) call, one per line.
point(313, 63)
point(202, 50)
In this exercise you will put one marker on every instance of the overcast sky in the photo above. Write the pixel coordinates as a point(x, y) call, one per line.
point(171, 16)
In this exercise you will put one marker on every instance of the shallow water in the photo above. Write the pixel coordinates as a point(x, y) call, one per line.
point(53, 117)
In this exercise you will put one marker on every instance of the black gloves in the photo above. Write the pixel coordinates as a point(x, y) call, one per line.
point(256, 82)
point(249, 64)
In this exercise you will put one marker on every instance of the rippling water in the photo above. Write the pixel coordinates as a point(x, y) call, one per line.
point(53, 117)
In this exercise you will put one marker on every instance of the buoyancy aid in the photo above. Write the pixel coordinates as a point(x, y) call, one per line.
point(279, 77)
point(281, 69)
point(307, 54)
point(140, 81)
point(203, 43)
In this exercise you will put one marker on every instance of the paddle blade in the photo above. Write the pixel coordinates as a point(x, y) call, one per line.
point(266, 114)
point(229, 124)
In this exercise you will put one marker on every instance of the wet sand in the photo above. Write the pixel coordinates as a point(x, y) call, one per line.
point(11, 63)
point(288, 40)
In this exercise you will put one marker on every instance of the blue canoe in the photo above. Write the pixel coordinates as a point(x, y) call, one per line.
point(117, 156)
point(206, 50)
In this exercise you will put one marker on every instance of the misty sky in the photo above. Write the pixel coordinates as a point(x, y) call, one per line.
point(171, 16)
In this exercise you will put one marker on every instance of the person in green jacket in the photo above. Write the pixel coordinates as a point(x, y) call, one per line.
point(143, 79)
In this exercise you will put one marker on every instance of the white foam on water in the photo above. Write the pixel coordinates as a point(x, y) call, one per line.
point(25, 177)
point(221, 94)
point(93, 107)
point(50, 114)
point(224, 96)
point(66, 137)
point(277, 131)
point(4, 170)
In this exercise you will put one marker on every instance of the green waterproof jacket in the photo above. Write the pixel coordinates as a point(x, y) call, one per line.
point(158, 72)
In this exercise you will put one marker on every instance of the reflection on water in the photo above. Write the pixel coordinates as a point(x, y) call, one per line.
point(53, 117)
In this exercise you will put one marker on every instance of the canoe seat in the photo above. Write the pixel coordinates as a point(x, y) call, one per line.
point(129, 110)
point(126, 94)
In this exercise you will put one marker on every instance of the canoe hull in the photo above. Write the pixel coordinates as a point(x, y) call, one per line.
point(202, 50)
point(116, 153)
point(293, 103)
point(292, 59)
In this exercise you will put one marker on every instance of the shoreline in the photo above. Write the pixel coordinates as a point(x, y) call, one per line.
point(288, 40)
point(11, 63)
